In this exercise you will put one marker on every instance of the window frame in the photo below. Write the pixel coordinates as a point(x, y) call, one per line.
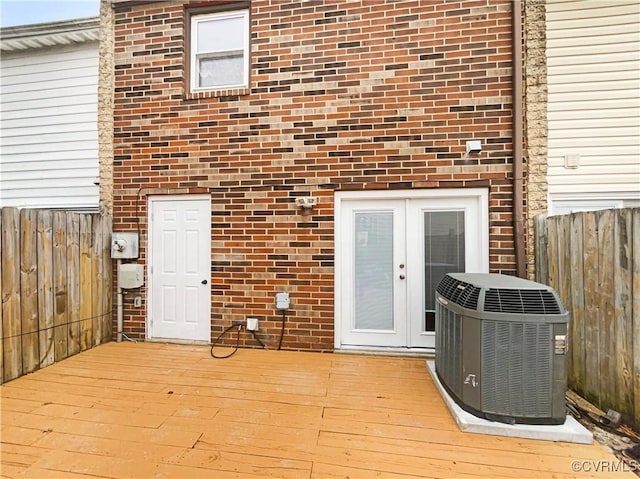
point(193, 17)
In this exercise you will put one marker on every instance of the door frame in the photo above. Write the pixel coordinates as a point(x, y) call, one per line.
point(480, 194)
point(151, 199)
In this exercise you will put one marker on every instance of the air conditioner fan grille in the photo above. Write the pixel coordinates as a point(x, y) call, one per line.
point(459, 292)
point(522, 301)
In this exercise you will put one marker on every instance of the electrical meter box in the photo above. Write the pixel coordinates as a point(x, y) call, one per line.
point(130, 275)
point(282, 301)
point(124, 245)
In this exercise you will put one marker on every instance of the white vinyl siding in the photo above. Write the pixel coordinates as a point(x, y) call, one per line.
point(593, 58)
point(48, 127)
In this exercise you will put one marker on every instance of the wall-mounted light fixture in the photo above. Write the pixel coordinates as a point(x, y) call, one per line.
point(306, 202)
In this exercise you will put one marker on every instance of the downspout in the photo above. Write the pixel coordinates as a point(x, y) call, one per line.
point(518, 177)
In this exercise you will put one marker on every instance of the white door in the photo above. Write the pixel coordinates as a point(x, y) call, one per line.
point(393, 252)
point(179, 268)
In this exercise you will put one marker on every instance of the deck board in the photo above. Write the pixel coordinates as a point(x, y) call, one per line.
point(149, 409)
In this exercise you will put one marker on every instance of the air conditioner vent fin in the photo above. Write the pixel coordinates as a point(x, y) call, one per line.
point(459, 292)
point(522, 301)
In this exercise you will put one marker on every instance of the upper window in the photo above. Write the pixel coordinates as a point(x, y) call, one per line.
point(220, 51)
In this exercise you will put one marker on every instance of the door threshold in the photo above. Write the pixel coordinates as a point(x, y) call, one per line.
point(386, 351)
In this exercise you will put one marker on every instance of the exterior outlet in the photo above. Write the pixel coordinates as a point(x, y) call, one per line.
point(252, 324)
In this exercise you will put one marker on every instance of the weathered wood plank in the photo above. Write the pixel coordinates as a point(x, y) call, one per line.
point(623, 310)
point(200, 434)
point(73, 282)
point(541, 250)
point(552, 251)
point(1, 308)
point(45, 287)
point(564, 268)
point(86, 279)
point(107, 280)
point(591, 387)
point(29, 290)
point(578, 351)
point(11, 309)
point(97, 293)
point(606, 226)
point(635, 321)
point(61, 311)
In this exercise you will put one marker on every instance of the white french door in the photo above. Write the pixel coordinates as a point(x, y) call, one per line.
point(392, 250)
point(179, 266)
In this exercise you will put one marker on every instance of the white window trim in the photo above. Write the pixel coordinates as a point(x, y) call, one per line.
point(565, 203)
point(195, 21)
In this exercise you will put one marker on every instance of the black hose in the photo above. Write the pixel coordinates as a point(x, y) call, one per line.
point(239, 326)
point(255, 336)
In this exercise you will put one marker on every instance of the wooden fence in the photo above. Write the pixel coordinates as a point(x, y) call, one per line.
point(592, 260)
point(55, 280)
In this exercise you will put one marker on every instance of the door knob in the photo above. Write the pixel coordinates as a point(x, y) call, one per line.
point(204, 281)
point(402, 276)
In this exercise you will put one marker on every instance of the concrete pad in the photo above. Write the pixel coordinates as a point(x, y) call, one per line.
point(570, 431)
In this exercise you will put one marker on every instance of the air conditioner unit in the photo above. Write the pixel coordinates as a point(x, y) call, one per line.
point(501, 347)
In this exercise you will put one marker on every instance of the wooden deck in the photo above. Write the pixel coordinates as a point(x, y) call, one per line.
point(155, 410)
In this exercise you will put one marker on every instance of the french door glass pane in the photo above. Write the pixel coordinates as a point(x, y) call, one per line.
point(373, 275)
point(443, 253)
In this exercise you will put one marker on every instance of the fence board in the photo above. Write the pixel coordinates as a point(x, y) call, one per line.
point(622, 308)
point(552, 251)
point(601, 253)
point(564, 270)
point(541, 250)
point(107, 284)
point(86, 278)
point(45, 287)
point(635, 315)
point(97, 295)
point(578, 352)
point(608, 374)
point(591, 387)
point(61, 314)
point(73, 282)
point(49, 288)
point(11, 323)
point(29, 290)
point(1, 323)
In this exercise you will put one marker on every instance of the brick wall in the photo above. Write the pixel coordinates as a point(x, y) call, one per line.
point(344, 95)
